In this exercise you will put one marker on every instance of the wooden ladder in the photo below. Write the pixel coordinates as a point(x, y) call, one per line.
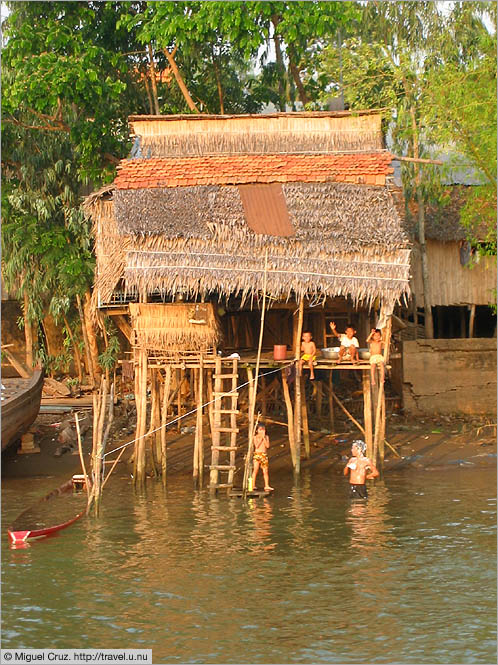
point(223, 449)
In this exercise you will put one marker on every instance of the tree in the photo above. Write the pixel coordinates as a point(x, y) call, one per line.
point(394, 62)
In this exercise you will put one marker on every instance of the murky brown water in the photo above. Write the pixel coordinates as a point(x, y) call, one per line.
point(303, 577)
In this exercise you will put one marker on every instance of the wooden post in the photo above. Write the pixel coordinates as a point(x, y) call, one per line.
point(80, 452)
point(155, 420)
point(199, 426)
point(297, 391)
point(254, 383)
point(290, 418)
point(164, 420)
point(331, 402)
point(141, 420)
point(472, 320)
point(179, 379)
point(28, 332)
point(319, 400)
point(367, 411)
point(306, 431)
point(378, 423)
point(195, 465)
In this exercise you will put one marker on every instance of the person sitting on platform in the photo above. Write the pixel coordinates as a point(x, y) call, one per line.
point(308, 349)
point(376, 345)
point(349, 343)
point(357, 468)
point(260, 457)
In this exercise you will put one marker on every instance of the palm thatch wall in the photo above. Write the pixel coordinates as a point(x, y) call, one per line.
point(349, 241)
point(174, 326)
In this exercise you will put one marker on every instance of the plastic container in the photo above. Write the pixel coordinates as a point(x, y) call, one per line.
point(280, 352)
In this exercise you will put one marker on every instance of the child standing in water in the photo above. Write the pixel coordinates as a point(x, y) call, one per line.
point(260, 457)
point(308, 349)
point(357, 468)
point(349, 343)
point(376, 345)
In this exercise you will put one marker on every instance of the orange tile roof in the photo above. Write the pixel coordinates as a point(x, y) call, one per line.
point(361, 168)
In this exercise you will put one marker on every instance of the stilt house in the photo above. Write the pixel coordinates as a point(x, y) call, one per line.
point(231, 233)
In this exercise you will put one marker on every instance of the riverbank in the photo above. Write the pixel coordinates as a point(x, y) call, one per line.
point(425, 444)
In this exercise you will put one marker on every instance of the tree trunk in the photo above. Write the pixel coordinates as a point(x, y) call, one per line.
point(28, 333)
point(429, 324)
point(153, 82)
point(280, 65)
point(86, 343)
point(179, 80)
point(76, 351)
point(92, 337)
point(149, 94)
point(303, 97)
point(218, 84)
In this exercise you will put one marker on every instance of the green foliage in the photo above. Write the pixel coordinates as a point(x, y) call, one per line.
point(109, 357)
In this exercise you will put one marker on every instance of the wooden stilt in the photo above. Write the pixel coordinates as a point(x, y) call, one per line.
point(331, 403)
point(155, 420)
point(378, 423)
point(306, 431)
point(290, 418)
point(141, 418)
point(199, 424)
point(297, 391)
point(367, 411)
point(195, 465)
point(179, 379)
point(319, 400)
point(472, 320)
point(164, 420)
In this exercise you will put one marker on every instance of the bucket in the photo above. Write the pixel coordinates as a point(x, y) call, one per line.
point(280, 352)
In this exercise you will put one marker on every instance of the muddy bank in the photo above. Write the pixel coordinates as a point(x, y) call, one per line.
point(427, 444)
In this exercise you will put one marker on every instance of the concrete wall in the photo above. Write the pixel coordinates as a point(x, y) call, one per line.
point(446, 376)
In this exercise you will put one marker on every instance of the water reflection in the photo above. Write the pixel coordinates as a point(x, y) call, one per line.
point(303, 576)
point(261, 516)
point(368, 520)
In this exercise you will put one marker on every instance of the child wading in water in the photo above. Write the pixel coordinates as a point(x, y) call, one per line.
point(308, 349)
point(375, 344)
point(260, 457)
point(349, 343)
point(357, 468)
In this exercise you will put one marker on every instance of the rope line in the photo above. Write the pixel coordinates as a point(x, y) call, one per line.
point(171, 422)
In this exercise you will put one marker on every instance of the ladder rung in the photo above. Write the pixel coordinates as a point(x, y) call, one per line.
point(221, 485)
point(223, 467)
point(225, 429)
point(226, 411)
point(225, 376)
point(234, 448)
point(231, 394)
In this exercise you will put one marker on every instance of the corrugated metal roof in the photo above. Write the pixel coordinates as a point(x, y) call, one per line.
point(266, 210)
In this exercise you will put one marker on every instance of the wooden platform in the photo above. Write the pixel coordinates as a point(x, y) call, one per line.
point(253, 494)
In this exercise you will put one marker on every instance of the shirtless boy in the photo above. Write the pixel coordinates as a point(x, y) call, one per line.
point(349, 343)
point(376, 345)
point(308, 349)
point(260, 457)
point(357, 468)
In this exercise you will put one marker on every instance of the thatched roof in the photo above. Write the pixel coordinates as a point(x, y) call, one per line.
point(180, 224)
point(281, 133)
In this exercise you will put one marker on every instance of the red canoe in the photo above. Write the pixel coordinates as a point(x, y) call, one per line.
point(57, 510)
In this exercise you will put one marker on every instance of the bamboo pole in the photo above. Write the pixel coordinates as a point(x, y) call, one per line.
point(367, 411)
point(348, 414)
point(199, 426)
point(297, 393)
point(331, 402)
point(141, 420)
point(378, 422)
point(290, 418)
point(306, 431)
point(179, 380)
point(80, 452)
point(254, 382)
point(164, 420)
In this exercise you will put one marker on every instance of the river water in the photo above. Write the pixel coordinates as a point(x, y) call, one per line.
point(305, 576)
